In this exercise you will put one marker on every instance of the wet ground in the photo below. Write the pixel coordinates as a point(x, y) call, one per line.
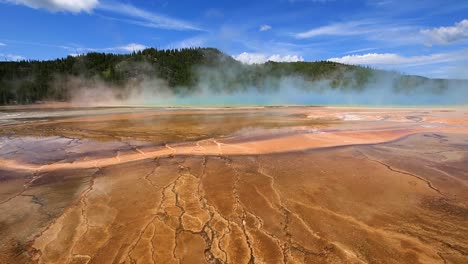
point(238, 185)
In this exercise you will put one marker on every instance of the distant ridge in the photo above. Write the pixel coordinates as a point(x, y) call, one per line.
point(184, 71)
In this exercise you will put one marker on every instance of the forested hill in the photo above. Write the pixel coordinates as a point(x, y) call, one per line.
point(182, 71)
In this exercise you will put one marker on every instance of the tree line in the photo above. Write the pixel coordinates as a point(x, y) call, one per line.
point(183, 70)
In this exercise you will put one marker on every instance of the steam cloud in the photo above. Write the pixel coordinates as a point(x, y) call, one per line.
point(221, 87)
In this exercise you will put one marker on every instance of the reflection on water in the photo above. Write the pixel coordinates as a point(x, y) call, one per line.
point(156, 125)
point(24, 115)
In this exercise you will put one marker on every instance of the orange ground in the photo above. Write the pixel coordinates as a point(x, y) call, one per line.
point(260, 185)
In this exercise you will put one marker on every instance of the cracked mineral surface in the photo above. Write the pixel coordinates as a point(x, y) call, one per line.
point(233, 185)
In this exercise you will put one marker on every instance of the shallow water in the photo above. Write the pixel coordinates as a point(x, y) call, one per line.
point(157, 125)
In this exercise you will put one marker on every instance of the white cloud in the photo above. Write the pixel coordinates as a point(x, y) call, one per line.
point(145, 18)
point(11, 57)
point(393, 59)
point(132, 47)
point(74, 6)
point(126, 48)
point(370, 29)
point(188, 43)
point(446, 35)
point(359, 50)
point(258, 58)
point(264, 28)
point(140, 17)
point(2, 44)
point(337, 29)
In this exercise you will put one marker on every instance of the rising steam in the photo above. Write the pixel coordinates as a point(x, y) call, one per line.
point(223, 86)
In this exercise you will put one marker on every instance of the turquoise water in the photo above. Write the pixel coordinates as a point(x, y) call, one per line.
point(368, 97)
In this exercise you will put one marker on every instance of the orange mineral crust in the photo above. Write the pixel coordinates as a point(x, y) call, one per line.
point(233, 185)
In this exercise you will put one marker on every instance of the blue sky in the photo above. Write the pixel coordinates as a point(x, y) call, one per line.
point(428, 38)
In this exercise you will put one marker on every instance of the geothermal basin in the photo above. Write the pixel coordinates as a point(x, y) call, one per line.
point(233, 185)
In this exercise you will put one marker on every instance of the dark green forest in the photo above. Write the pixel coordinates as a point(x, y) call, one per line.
point(184, 71)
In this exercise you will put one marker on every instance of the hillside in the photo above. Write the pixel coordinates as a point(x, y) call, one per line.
point(183, 72)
